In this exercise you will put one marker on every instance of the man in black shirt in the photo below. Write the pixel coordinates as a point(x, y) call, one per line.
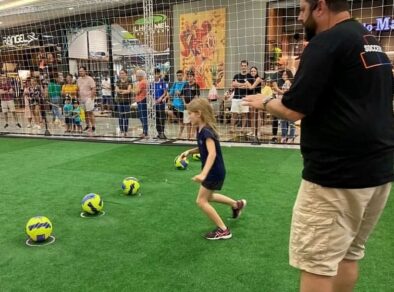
point(240, 91)
point(343, 94)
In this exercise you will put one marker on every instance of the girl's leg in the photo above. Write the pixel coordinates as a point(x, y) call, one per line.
point(236, 206)
point(219, 198)
point(203, 198)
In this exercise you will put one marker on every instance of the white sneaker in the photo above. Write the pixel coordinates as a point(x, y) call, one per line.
point(28, 126)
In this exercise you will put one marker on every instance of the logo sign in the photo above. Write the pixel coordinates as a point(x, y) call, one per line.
point(159, 22)
point(19, 40)
point(382, 24)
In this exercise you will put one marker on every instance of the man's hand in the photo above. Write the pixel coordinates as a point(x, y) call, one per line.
point(255, 101)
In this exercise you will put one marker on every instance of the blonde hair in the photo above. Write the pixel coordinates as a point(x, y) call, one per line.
point(202, 106)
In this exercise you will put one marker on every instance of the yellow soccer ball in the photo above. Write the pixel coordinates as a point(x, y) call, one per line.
point(92, 204)
point(196, 156)
point(130, 186)
point(39, 228)
point(181, 163)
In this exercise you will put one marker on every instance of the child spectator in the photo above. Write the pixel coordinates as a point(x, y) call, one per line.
point(68, 113)
point(76, 117)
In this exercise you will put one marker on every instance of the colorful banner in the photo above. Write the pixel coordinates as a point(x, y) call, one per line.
point(203, 41)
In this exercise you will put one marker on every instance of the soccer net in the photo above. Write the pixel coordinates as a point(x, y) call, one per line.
point(124, 69)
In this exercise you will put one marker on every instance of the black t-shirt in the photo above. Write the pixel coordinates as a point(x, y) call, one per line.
point(123, 98)
point(190, 91)
point(344, 88)
point(217, 172)
point(241, 78)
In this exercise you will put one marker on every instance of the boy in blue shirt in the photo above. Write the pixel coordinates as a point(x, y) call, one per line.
point(175, 96)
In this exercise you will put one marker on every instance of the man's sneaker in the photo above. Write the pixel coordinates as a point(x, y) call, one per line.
point(218, 234)
point(18, 125)
point(241, 204)
point(5, 126)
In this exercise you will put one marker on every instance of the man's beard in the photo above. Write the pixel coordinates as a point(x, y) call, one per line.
point(310, 28)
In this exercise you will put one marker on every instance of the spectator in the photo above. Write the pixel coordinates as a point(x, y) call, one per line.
point(106, 93)
point(68, 114)
point(123, 100)
point(176, 100)
point(287, 127)
point(255, 88)
point(54, 92)
point(36, 101)
point(240, 86)
point(277, 83)
point(161, 88)
point(213, 99)
point(141, 92)
point(26, 97)
point(70, 89)
point(190, 91)
point(7, 95)
point(87, 93)
point(76, 117)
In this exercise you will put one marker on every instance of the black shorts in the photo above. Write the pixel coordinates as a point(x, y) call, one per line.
point(68, 120)
point(177, 113)
point(213, 185)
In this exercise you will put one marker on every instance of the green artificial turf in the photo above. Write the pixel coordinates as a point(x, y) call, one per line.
point(153, 242)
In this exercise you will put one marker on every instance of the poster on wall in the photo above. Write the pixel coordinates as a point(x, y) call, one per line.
point(203, 39)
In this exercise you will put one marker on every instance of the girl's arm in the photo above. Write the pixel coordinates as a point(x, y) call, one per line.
point(210, 160)
point(189, 152)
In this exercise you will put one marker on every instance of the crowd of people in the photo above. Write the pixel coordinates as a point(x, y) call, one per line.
point(57, 95)
point(72, 101)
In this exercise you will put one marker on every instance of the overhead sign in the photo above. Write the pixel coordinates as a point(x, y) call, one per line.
point(159, 22)
point(382, 24)
point(19, 40)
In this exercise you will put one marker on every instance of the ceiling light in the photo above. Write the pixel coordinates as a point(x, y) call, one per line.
point(16, 4)
point(70, 8)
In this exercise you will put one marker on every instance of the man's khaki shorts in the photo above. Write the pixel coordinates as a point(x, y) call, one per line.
point(330, 225)
point(7, 106)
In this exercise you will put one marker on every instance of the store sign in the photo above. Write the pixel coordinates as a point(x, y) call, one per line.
point(382, 24)
point(23, 39)
point(159, 22)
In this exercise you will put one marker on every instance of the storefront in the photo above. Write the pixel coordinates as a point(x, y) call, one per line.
point(285, 33)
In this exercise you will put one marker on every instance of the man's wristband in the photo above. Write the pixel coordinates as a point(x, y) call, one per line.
point(266, 101)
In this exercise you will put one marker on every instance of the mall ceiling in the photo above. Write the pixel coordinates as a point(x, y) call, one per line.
point(21, 12)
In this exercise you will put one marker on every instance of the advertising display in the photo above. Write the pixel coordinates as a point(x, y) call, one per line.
point(203, 42)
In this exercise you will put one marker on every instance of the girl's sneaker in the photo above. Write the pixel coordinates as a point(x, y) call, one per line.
point(218, 234)
point(241, 204)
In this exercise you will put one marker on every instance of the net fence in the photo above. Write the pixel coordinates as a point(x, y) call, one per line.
point(124, 69)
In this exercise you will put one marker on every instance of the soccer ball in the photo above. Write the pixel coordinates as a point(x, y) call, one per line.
point(130, 186)
point(196, 156)
point(39, 228)
point(181, 163)
point(92, 204)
